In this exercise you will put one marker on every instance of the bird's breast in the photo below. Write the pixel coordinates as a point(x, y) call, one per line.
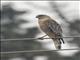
point(44, 25)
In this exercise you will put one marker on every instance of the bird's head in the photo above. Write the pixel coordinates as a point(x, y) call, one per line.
point(42, 17)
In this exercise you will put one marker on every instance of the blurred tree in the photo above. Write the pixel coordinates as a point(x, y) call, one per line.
point(75, 30)
point(9, 26)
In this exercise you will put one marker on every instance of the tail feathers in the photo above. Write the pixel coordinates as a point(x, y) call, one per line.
point(57, 43)
point(61, 39)
point(58, 46)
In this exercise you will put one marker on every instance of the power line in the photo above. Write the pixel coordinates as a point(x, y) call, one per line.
point(19, 39)
point(30, 51)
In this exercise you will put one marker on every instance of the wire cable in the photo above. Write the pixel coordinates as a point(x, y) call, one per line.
point(19, 39)
point(30, 51)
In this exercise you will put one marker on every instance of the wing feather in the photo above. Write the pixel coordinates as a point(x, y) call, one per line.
point(55, 27)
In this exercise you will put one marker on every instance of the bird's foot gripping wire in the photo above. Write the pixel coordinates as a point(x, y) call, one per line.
point(41, 38)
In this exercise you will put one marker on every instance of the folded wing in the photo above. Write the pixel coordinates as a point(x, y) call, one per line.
point(55, 27)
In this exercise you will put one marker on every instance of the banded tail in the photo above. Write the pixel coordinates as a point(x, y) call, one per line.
point(58, 42)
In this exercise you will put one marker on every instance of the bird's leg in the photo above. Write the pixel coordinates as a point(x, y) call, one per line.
point(42, 37)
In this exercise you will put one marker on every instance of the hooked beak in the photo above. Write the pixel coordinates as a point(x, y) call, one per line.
point(36, 16)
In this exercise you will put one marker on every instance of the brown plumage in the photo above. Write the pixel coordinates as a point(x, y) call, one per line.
point(51, 28)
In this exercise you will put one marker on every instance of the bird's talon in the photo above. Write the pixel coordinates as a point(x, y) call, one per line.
point(41, 38)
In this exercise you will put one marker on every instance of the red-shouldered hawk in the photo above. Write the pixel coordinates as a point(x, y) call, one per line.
point(51, 28)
